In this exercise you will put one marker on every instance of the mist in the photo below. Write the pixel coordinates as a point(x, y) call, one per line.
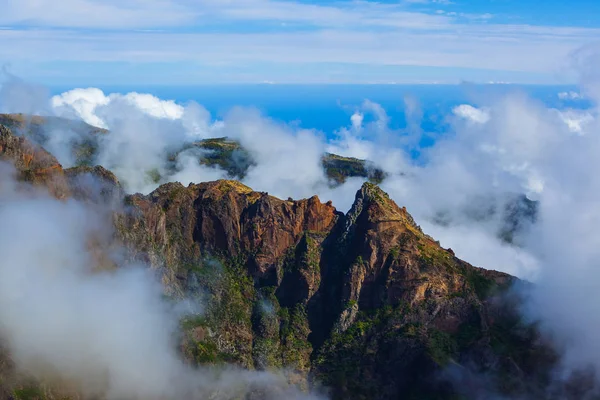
point(498, 147)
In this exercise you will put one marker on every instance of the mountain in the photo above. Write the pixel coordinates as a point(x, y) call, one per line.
point(224, 153)
point(364, 303)
point(515, 212)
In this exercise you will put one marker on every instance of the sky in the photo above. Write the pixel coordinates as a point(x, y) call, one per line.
point(176, 42)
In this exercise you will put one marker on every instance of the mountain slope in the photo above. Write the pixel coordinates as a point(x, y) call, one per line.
point(364, 302)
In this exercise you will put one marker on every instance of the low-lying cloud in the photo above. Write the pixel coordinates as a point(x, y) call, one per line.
point(495, 150)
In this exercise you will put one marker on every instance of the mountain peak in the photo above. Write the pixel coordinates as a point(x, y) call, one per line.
point(379, 207)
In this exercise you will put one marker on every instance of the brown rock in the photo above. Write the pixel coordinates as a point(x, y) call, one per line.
point(33, 163)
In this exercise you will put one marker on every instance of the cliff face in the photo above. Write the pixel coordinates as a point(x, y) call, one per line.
point(364, 303)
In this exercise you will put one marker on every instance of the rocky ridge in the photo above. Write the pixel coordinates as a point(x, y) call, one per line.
point(364, 303)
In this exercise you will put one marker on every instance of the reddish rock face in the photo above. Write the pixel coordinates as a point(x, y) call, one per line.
point(228, 218)
point(33, 163)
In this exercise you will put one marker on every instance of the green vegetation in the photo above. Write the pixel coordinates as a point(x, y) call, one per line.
point(29, 393)
point(294, 331)
point(228, 314)
point(482, 286)
point(85, 152)
point(468, 333)
point(153, 175)
point(340, 168)
point(438, 258)
point(311, 254)
point(266, 325)
point(226, 154)
point(441, 347)
point(230, 156)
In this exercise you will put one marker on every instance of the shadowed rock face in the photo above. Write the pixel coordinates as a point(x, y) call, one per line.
point(365, 303)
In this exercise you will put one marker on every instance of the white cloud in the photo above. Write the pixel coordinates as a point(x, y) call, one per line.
point(81, 104)
point(84, 104)
point(570, 95)
point(471, 113)
point(501, 50)
point(339, 32)
point(130, 14)
point(507, 145)
point(96, 13)
point(576, 120)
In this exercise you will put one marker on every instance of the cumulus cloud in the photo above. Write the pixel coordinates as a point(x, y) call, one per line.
point(144, 131)
point(91, 105)
point(471, 113)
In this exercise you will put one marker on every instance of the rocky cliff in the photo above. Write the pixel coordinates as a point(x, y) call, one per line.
point(363, 303)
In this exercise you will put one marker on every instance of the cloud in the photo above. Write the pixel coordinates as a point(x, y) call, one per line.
point(130, 14)
point(576, 120)
point(81, 104)
point(502, 146)
point(506, 49)
point(96, 14)
point(87, 104)
point(471, 113)
point(571, 95)
point(111, 34)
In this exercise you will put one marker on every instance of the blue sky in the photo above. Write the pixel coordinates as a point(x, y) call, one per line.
point(174, 42)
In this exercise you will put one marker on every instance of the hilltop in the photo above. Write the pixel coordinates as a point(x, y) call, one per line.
point(224, 153)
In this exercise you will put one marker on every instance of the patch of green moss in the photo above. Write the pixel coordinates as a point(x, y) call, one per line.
point(29, 393)
point(265, 352)
point(208, 353)
point(441, 347)
point(395, 252)
point(433, 256)
point(193, 321)
point(312, 254)
point(153, 175)
point(294, 331)
point(482, 286)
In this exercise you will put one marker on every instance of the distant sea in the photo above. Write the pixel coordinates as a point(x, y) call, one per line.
point(329, 107)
